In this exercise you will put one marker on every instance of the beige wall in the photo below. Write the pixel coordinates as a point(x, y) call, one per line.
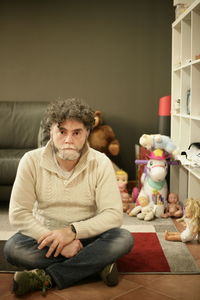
point(113, 53)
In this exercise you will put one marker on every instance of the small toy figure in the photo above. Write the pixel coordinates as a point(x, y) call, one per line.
point(173, 208)
point(192, 223)
point(143, 211)
point(122, 180)
point(154, 141)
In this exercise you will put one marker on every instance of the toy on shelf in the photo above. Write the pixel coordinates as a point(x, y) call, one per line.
point(122, 180)
point(102, 137)
point(173, 208)
point(158, 141)
point(191, 157)
point(192, 222)
point(143, 211)
point(152, 170)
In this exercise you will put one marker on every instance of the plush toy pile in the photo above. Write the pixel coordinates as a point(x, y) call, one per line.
point(154, 185)
point(158, 141)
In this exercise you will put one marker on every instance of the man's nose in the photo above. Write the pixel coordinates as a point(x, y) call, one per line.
point(69, 138)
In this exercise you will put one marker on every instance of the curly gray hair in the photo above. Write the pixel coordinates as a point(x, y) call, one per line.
point(68, 109)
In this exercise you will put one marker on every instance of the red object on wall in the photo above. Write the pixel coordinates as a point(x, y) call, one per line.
point(165, 106)
point(164, 115)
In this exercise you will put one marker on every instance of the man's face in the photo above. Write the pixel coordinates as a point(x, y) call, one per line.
point(69, 139)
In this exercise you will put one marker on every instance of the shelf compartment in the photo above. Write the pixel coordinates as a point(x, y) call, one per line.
point(175, 129)
point(176, 52)
point(195, 42)
point(174, 179)
point(176, 88)
point(183, 184)
point(185, 91)
point(184, 140)
point(195, 132)
point(195, 87)
point(193, 186)
point(186, 55)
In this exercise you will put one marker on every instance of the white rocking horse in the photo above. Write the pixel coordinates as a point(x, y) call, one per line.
point(154, 184)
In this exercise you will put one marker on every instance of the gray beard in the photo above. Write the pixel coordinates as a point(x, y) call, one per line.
point(67, 154)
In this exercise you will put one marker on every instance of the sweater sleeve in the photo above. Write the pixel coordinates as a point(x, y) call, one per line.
point(108, 201)
point(23, 199)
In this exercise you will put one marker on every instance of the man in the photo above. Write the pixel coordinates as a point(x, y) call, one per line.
point(66, 206)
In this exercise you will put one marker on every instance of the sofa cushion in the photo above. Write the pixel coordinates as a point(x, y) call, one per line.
point(19, 124)
point(9, 160)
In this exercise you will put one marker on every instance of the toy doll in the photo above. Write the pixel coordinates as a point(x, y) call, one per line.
point(143, 211)
point(173, 208)
point(122, 180)
point(192, 223)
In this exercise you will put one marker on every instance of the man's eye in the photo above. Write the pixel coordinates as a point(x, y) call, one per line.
point(76, 132)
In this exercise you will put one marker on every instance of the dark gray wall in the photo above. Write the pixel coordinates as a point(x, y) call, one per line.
point(116, 54)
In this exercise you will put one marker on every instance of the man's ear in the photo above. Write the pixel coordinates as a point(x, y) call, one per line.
point(88, 132)
point(51, 130)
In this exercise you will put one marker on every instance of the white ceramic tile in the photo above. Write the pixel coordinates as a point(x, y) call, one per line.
point(139, 228)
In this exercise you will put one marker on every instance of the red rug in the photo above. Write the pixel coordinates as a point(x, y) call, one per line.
point(146, 256)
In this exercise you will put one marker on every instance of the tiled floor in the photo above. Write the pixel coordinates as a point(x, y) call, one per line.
point(133, 287)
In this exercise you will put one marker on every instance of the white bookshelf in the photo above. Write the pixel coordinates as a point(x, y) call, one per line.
point(185, 111)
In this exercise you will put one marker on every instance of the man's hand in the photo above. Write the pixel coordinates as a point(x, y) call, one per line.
point(56, 240)
point(72, 249)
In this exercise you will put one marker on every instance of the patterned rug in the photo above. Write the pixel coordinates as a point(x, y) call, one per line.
point(150, 254)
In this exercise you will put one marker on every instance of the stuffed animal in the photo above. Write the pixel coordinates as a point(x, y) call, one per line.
point(122, 180)
point(102, 137)
point(173, 208)
point(158, 141)
point(143, 211)
point(153, 179)
point(192, 155)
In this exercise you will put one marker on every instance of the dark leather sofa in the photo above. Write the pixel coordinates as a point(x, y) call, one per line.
point(19, 128)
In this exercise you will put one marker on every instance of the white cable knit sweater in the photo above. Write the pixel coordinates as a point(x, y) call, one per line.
point(42, 199)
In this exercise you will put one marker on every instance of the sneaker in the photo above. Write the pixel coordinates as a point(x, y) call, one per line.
point(28, 281)
point(110, 274)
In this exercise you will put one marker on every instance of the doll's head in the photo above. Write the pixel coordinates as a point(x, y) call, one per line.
point(122, 179)
point(172, 198)
point(192, 209)
point(143, 201)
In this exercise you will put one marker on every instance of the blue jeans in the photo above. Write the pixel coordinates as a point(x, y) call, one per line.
point(22, 251)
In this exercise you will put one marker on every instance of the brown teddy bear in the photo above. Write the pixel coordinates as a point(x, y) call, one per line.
point(102, 137)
